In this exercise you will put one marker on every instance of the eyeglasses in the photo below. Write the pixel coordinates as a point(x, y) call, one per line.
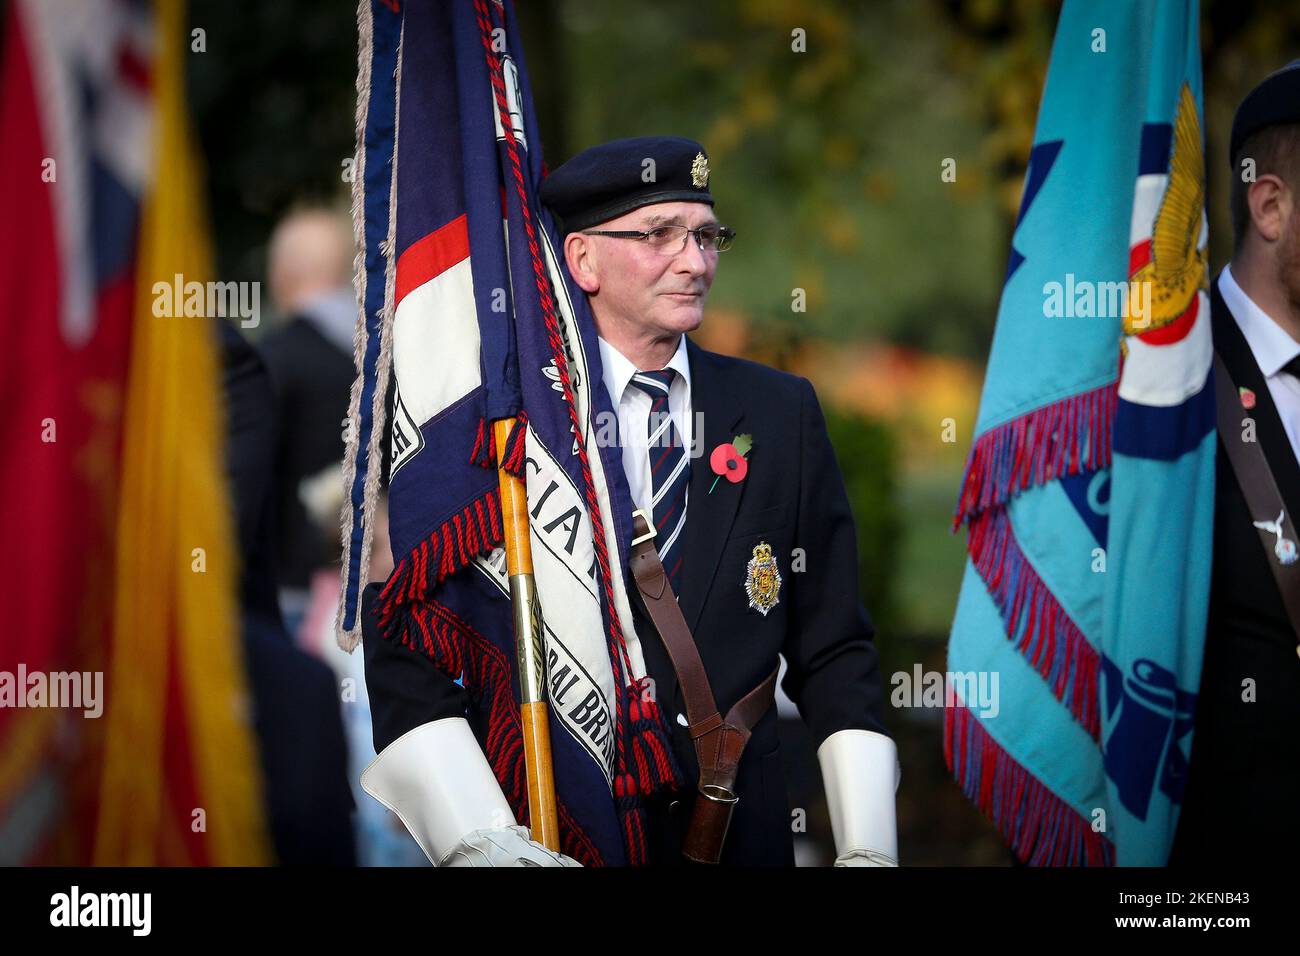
point(671, 240)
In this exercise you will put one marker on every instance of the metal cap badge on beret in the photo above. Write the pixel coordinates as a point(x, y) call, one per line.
point(1276, 100)
point(608, 180)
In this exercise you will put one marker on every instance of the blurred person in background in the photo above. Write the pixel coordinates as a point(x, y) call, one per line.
point(309, 271)
point(382, 840)
point(295, 701)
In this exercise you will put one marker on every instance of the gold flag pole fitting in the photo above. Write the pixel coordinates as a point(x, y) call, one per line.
point(529, 651)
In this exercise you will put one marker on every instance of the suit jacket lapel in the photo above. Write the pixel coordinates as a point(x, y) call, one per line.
point(708, 516)
point(1240, 361)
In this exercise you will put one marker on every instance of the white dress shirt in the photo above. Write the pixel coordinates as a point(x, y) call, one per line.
point(1272, 348)
point(632, 407)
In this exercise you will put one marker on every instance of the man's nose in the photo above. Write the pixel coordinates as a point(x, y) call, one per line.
point(691, 259)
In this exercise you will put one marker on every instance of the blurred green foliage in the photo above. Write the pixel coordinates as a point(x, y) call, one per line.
point(826, 122)
point(826, 144)
point(868, 457)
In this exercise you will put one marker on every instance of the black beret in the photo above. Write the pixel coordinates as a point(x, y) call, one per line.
point(606, 181)
point(1276, 100)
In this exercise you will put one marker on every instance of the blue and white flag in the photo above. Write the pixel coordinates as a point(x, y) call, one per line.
point(467, 306)
point(1089, 493)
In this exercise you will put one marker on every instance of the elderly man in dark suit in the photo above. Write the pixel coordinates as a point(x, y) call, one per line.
point(1244, 781)
point(731, 463)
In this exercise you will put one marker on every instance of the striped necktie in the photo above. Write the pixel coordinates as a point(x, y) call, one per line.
point(670, 471)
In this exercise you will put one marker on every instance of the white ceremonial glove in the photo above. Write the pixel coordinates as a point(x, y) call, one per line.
point(507, 846)
point(437, 781)
point(861, 773)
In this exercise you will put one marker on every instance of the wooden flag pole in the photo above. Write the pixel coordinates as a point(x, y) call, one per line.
point(529, 651)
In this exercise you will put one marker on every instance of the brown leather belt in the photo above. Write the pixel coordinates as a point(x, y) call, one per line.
point(719, 741)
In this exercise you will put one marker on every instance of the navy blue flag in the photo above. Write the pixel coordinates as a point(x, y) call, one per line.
point(467, 305)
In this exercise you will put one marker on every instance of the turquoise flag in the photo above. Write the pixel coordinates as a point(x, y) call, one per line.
point(1088, 496)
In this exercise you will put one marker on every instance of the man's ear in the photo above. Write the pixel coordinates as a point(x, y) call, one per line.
point(579, 255)
point(1270, 204)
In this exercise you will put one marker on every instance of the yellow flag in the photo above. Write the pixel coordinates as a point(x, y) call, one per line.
point(180, 781)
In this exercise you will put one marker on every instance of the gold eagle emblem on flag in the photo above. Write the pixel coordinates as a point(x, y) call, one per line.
point(1178, 266)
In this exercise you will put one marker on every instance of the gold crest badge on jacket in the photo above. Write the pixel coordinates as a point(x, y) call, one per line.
point(763, 582)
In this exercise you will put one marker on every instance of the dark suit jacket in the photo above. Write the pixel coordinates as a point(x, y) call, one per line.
point(792, 498)
point(313, 382)
point(1243, 786)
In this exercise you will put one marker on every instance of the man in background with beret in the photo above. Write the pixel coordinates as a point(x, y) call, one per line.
point(1243, 787)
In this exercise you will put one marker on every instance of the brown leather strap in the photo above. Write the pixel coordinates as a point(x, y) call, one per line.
point(652, 582)
point(719, 741)
point(725, 746)
point(1263, 499)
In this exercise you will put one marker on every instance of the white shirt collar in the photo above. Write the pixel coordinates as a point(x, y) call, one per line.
point(1270, 344)
point(618, 369)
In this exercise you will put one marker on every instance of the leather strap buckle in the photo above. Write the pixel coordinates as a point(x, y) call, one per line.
point(710, 821)
point(649, 521)
point(711, 791)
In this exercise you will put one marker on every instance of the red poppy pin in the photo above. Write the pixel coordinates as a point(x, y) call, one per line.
point(729, 459)
point(1247, 398)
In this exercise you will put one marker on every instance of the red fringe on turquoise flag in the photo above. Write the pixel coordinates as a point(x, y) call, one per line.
point(1042, 829)
point(1068, 437)
point(1064, 438)
point(1041, 629)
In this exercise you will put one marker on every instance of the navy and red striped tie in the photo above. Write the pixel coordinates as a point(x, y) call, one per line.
point(670, 471)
